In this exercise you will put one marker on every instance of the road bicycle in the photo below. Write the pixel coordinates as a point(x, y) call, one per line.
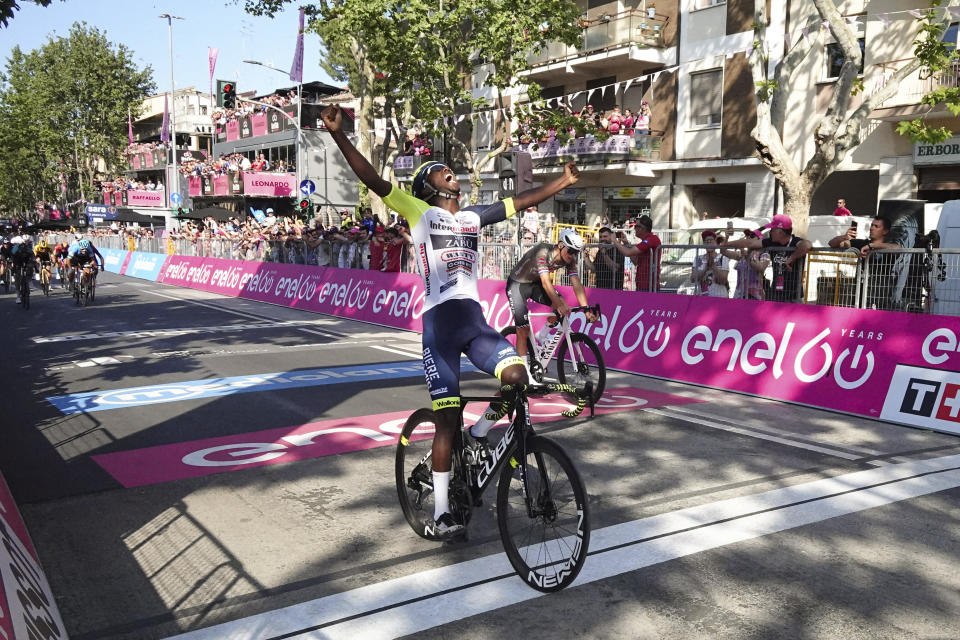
point(45, 276)
point(84, 284)
point(542, 512)
point(7, 266)
point(579, 360)
point(62, 274)
point(22, 275)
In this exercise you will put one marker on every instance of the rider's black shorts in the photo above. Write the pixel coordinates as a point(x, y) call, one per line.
point(518, 293)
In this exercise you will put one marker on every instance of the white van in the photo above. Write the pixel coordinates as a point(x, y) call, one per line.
point(946, 298)
point(822, 229)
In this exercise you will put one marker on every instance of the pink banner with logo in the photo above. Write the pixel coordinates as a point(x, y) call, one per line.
point(233, 130)
point(136, 161)
point(138, 198)
point(148, 160)
point(894, 366)
point(195, 185)
point(221, 185)
point(269, 184)
point(118, 198)
point(26, 602)
point(258, 122)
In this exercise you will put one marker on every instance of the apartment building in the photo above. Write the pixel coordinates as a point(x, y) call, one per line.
point(689, 60)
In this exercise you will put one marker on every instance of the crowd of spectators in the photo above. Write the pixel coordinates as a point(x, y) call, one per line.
point(123, 183)
point(221, 116)
point(231, 163)
point(146, 147)
point(612, 122)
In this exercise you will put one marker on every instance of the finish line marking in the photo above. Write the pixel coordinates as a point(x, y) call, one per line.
point(413, 603)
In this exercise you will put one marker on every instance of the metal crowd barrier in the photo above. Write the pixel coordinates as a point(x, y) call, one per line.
point(913, 280)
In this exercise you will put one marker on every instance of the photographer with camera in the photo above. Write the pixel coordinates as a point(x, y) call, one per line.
point(880, 267)
point(608, 265)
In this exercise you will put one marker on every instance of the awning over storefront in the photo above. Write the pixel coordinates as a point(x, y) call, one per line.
point(939, 178)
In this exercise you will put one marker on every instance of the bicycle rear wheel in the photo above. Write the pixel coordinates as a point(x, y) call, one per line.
point(25, 291)
point(510, 333)
point(414, 476)
point(547, 547)
point(586, 366)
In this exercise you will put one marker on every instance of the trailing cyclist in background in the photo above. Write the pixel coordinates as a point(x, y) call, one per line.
point(44, 253)
point(6, 263)
point(82, 254)
point(60, 254)
point(24, 260)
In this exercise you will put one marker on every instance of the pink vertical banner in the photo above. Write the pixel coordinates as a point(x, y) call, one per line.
point(221, 185)
point(233, 130)
point(258, 122)
point(148, 159)
point(118, 198)
point(136, 161)
point(195, 185)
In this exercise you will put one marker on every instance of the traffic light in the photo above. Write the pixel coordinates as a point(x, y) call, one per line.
point(226, 94)
point(304, 206)
point(182, 211)
point(515, 171)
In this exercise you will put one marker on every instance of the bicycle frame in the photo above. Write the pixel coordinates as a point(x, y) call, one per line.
point(544, 353)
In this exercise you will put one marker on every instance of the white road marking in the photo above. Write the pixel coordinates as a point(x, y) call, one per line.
point(758, 434)
point(410, 354)
point(420, 601)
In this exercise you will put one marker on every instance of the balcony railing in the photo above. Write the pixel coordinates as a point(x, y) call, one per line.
point(608, 32)
point(916, 85)
point(615, 147)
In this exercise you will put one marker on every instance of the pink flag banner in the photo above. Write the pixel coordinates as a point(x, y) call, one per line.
point(221, 185)
point(148, 160)
point(143, 198)
point(233, 130)
point(195, 185)
point(136, 161)
point(212, 53)
point(258, 123)
point(269, 184)
point(296, 70)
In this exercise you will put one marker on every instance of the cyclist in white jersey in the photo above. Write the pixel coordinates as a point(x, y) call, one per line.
point(445, 239)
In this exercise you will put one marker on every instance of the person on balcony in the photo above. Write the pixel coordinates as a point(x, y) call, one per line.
point(628, 122)
point(642, 128)
point(615, 121)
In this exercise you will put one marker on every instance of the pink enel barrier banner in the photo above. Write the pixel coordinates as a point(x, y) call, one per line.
point(895, 366)
point(269, 184)
point(27, 605)
point(195, 185)
point(221, 185)
point(258, 123)
point(233, 130)
point(137, 198)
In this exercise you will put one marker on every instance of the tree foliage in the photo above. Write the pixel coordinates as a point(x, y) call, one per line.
point(844, 124)
point(8, 7)
point(414, 59)
point(64, 109)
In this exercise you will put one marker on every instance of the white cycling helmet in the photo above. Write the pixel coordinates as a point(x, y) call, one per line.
point(16, 240)
point(78, 236)
point(571, 239)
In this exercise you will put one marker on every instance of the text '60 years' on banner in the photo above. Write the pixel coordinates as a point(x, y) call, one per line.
point(888, 365)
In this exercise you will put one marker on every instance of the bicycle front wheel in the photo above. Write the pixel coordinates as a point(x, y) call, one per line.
point(584, 364)
point(545, 534)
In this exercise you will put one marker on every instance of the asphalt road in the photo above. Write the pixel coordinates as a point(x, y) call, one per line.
point(714, 515)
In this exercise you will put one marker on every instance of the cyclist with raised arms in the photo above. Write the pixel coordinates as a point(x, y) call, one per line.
point(532, 279)
point(446, 242)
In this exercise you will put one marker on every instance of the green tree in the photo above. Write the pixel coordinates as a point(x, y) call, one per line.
point(8, 7)
point(844, 124)
point(416, 58)
point(64, 108)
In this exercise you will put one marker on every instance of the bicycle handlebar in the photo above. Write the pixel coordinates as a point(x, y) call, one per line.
point(509, 391)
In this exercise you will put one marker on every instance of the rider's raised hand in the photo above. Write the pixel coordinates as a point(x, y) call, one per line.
point(571, 173)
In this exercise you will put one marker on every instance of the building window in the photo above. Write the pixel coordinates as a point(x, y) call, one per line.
point(706, 4)
point(706, 89)
point(835, 59)
point(950, 34)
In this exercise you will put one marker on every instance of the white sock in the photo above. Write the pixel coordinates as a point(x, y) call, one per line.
point(482, 426)
point(441, 500)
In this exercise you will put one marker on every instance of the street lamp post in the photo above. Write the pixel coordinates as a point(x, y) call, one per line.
point(172, 167)
point(299, 102)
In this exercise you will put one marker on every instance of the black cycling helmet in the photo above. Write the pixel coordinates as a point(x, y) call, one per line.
point(423, 189)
